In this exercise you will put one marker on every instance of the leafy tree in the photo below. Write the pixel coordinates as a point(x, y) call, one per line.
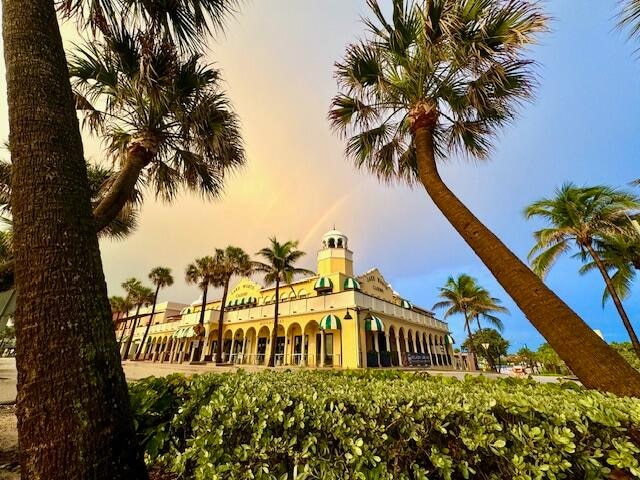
point(232, 261)
point(577, 217)
point(626, 350)
point(550, 360)
point(278, 267)
point(525, 354)
point(161, 278)
point(441, 77)
point(498, 346)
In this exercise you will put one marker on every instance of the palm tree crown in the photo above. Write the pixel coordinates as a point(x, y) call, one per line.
point(577, 216)
point(231, 261)
point(458, 61)
point(279, 262)
point(202, 272)
point(161, 277)
point(160, 110)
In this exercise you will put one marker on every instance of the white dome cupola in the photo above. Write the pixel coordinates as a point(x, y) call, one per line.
point(334, 239)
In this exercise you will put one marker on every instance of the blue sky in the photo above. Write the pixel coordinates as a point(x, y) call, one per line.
point(277, 59)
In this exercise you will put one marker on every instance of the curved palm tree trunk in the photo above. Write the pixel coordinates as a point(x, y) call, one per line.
point(120, 192)
point(74, 415)
point(221, 321)
point(478, 320)
point(595, 363)
point(134, 325)
point(274, 334)
point(616, 299)
point(146, 330)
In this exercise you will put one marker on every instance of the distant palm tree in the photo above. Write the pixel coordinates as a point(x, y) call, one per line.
point(486, 307)
point(278, 268)
point(440, 78)
point(160, 277)
point(140, 296)
point(202, 272)
point(163, 115)
point(230, 262)
point(463, 295)
point(578, 217)
point(620, 253)
point(117, 308)
point(125, 307)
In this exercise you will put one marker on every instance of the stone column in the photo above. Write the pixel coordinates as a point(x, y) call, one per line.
point(398, 347)
point(406, 342)
point(233, 344)
point(244, 347)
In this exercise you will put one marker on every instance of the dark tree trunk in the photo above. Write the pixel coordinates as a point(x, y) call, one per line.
point(134, 325)
point(74, 415)
point(122, 188)
point(478, 320)
point(196, 354)
point(221, 321)
point(274, 334)
point(146, 330)
point(472, 348)
point(616, 299)
point(124, 329)
point(595, 363)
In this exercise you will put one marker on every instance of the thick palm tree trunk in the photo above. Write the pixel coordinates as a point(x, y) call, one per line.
point(74, 415)
point(274, 334)
point(120, 192)
point(616, 299)
point(134, 325)
point(146, 330)
point(221, 321)
point(595, 363)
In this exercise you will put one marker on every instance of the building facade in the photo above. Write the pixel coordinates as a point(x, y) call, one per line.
point(331, 319)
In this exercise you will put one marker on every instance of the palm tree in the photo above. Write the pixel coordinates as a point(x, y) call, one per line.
point(140, 296)
point(231, 261)
point(485, 308)
point(117, 308)
point(629, 17)
point(202, 272)
point(463, 295)
point(125, 306)
point(577, 217)
point(442, 77)
point(163, 115)
point(63, 277)
point(278, 268)
point(161, 278)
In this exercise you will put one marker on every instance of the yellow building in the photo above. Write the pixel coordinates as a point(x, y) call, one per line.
point(330, 319)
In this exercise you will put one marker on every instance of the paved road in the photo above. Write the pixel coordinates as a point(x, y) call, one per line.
point(138, 370)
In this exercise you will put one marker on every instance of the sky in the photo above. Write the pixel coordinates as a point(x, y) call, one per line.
point(277, 60)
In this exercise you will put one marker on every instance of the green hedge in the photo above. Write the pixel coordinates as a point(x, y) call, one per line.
point(387, 425)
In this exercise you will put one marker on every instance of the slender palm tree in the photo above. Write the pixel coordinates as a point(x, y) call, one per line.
point(485, 308)
point(117, 308)
point(463, 295)
point(577, 217)
point(125, 307)
point(278, 267)
point(161, 278)
point(202, 272)
point(164, 117)
point(52, 209)
point(232, 261)
point(620, 253)
point(140, 296)
point(442, 77)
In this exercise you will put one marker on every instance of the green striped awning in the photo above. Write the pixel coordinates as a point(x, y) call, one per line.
point(323, 284)
point(184, 332)
point(448, 340)
point(351, 284)
point(373, 324)
point(249, 301)
point(330, 322)
point(406, 304)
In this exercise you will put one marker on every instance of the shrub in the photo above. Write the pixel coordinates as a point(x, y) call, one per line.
point(383, 426)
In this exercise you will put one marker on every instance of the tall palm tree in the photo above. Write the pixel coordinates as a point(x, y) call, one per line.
point(202, 272)
point(442, 77)
point(463, 295)
point(140, 296)
point(232, 261)
point(486, 307)
point(125, 306)
point(117, 308)
point(160, 277)
point(278, 267)
point(164, 117)
point(52, 209)
point(577, 217)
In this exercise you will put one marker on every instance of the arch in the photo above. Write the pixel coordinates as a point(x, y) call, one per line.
point(339, 243)
point(302, 293)
point(411, 341)
point(332, 242)
point(418, 343)
point(293, 348)
point(261, 347)
point(284, 296)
